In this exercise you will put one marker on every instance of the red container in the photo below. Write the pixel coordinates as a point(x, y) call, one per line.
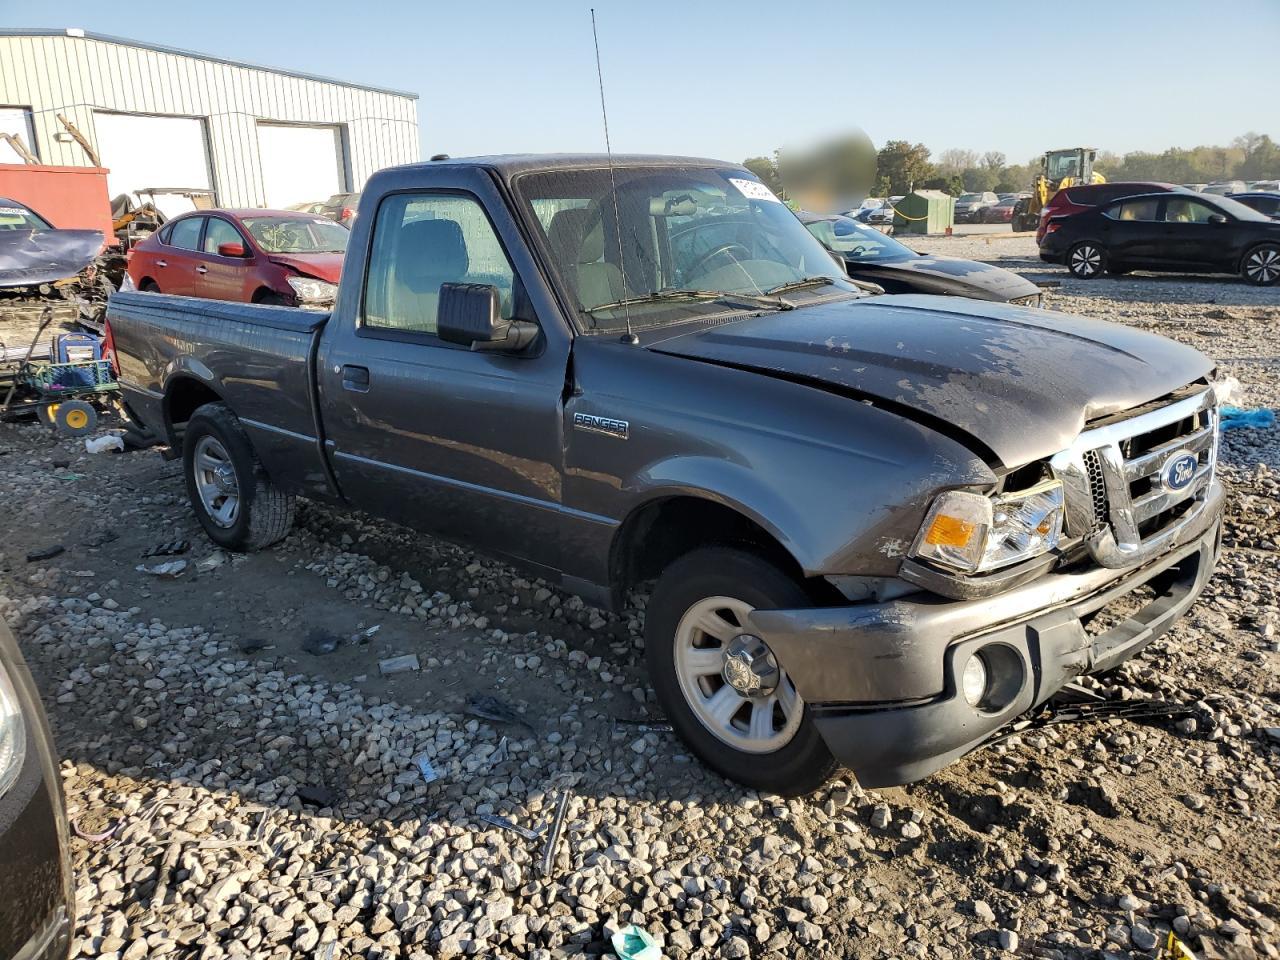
point(73, 198)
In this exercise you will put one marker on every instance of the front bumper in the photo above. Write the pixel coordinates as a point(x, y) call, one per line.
point(881, 679)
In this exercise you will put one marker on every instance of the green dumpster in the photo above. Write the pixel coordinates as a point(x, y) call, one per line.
point(924, 211)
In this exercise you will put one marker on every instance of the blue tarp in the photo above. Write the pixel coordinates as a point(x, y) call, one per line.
point(1234, 418)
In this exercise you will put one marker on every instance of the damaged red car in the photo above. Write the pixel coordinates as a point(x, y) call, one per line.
point(253, 256)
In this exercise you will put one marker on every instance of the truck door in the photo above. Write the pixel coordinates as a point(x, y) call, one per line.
point(464, 444)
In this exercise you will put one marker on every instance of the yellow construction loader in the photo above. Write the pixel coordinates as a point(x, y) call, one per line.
point(1059, 169)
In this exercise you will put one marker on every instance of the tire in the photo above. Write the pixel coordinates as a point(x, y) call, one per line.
point(1087, 260)
point(273, 299)
point(75, 418)
point(149, 286)
point(232, 496)
point(722, 584)
point(1261, 265)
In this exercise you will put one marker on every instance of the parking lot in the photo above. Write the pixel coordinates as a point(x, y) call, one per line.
point(272, 802)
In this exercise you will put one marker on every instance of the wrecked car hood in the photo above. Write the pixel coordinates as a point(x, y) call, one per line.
point(322, 266)
point(28, 257)
point(930, 274)
point(1021, 381)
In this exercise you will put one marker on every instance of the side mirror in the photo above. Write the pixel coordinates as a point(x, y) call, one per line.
point(231, 249)
point(470, 315)
point(1217, 218)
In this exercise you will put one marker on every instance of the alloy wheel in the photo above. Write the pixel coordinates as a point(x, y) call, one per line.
point(1086, 260)
point(1263, 265)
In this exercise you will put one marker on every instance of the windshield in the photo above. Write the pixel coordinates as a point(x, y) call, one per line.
point(853, 241)
point(970, 197)
point(685, 241)
point(294, 235)
point(15, 217)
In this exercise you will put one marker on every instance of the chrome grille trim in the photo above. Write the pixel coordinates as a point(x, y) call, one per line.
point(1119, 540)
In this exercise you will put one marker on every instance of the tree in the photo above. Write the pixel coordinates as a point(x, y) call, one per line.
point(993, 160)
point(955, 160)
point(951, 184)
point(766, 168)
point(1261, 157)
point(902, 165)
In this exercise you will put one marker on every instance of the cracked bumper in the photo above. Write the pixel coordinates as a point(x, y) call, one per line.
point(881, 679)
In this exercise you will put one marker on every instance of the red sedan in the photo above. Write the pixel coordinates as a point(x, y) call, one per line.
point(254, 256)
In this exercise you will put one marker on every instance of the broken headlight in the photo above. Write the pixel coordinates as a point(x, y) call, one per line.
point(311, 290)
point(13, 733)
point(971, 533)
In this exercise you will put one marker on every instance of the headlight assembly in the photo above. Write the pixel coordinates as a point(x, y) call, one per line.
point(13, 734)
point(970, 533)
point(311, 290)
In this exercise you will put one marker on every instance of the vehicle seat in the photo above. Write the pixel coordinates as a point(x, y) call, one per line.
point(577, 237)
point(428, 253)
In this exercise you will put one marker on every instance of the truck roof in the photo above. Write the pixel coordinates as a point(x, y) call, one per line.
point(508, 165)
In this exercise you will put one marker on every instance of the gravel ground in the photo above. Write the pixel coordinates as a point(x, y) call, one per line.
point(273, 804)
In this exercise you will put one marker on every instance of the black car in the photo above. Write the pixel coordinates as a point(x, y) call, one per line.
point(1175, 232)
point(1266, 203)
point(871, 256)
point(36, 896)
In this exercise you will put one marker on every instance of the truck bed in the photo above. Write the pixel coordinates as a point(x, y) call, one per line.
point(259, 359)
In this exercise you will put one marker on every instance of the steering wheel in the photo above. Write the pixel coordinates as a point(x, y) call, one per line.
point(858, 251)
point(717, 252)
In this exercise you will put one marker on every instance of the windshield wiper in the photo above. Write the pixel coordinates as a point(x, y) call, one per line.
point(797, 284)
point(713, 296)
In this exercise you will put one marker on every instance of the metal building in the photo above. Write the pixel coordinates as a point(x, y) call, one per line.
point(162, 117)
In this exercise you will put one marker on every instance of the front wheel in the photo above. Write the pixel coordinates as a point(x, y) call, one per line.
point(722, 688)
point(1261, 265)
point(1087, 260)
point(234, 499)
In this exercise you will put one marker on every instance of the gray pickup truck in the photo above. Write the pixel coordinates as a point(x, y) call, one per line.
point(877, 528)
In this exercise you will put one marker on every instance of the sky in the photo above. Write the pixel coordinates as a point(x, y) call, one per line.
point(732, 80)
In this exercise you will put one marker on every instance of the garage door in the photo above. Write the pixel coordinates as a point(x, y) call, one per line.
point(300, 164)
point(142, 151)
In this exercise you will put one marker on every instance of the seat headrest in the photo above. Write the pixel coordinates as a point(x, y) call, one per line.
point(577, 235)
point(430, 252)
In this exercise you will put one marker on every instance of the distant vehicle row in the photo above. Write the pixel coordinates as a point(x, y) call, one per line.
point(1165, 228)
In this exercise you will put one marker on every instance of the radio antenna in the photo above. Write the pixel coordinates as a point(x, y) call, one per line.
point(613, 188)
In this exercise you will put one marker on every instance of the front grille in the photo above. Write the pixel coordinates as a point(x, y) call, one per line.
point(1097, 488)
point(1130, 484)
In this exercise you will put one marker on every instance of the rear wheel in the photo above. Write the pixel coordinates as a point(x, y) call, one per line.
point(234, 499)
point(721, 686)
point(149, 286)
point(1261, 265)
point(1087, 260)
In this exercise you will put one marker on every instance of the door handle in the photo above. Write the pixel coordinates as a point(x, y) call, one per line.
point(355, 378)
point(162, 263)
point(202, 269)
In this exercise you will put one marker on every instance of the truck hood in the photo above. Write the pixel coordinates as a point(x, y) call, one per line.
point(930, 274)
point(322, 266)
point(29, 257)
point(1022, 382)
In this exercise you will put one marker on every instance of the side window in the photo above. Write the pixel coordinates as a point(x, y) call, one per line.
point(1184, 210)
point(1134, 210)
point(421, 241)
point(219, 232)
point(186, 233)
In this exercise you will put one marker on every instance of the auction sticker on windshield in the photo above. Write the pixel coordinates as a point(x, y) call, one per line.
point(753, 189)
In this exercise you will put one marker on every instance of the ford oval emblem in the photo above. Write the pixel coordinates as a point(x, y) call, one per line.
point(1179, 471)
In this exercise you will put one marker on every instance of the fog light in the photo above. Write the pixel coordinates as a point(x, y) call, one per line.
point(973, 682)
point(13, 735)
